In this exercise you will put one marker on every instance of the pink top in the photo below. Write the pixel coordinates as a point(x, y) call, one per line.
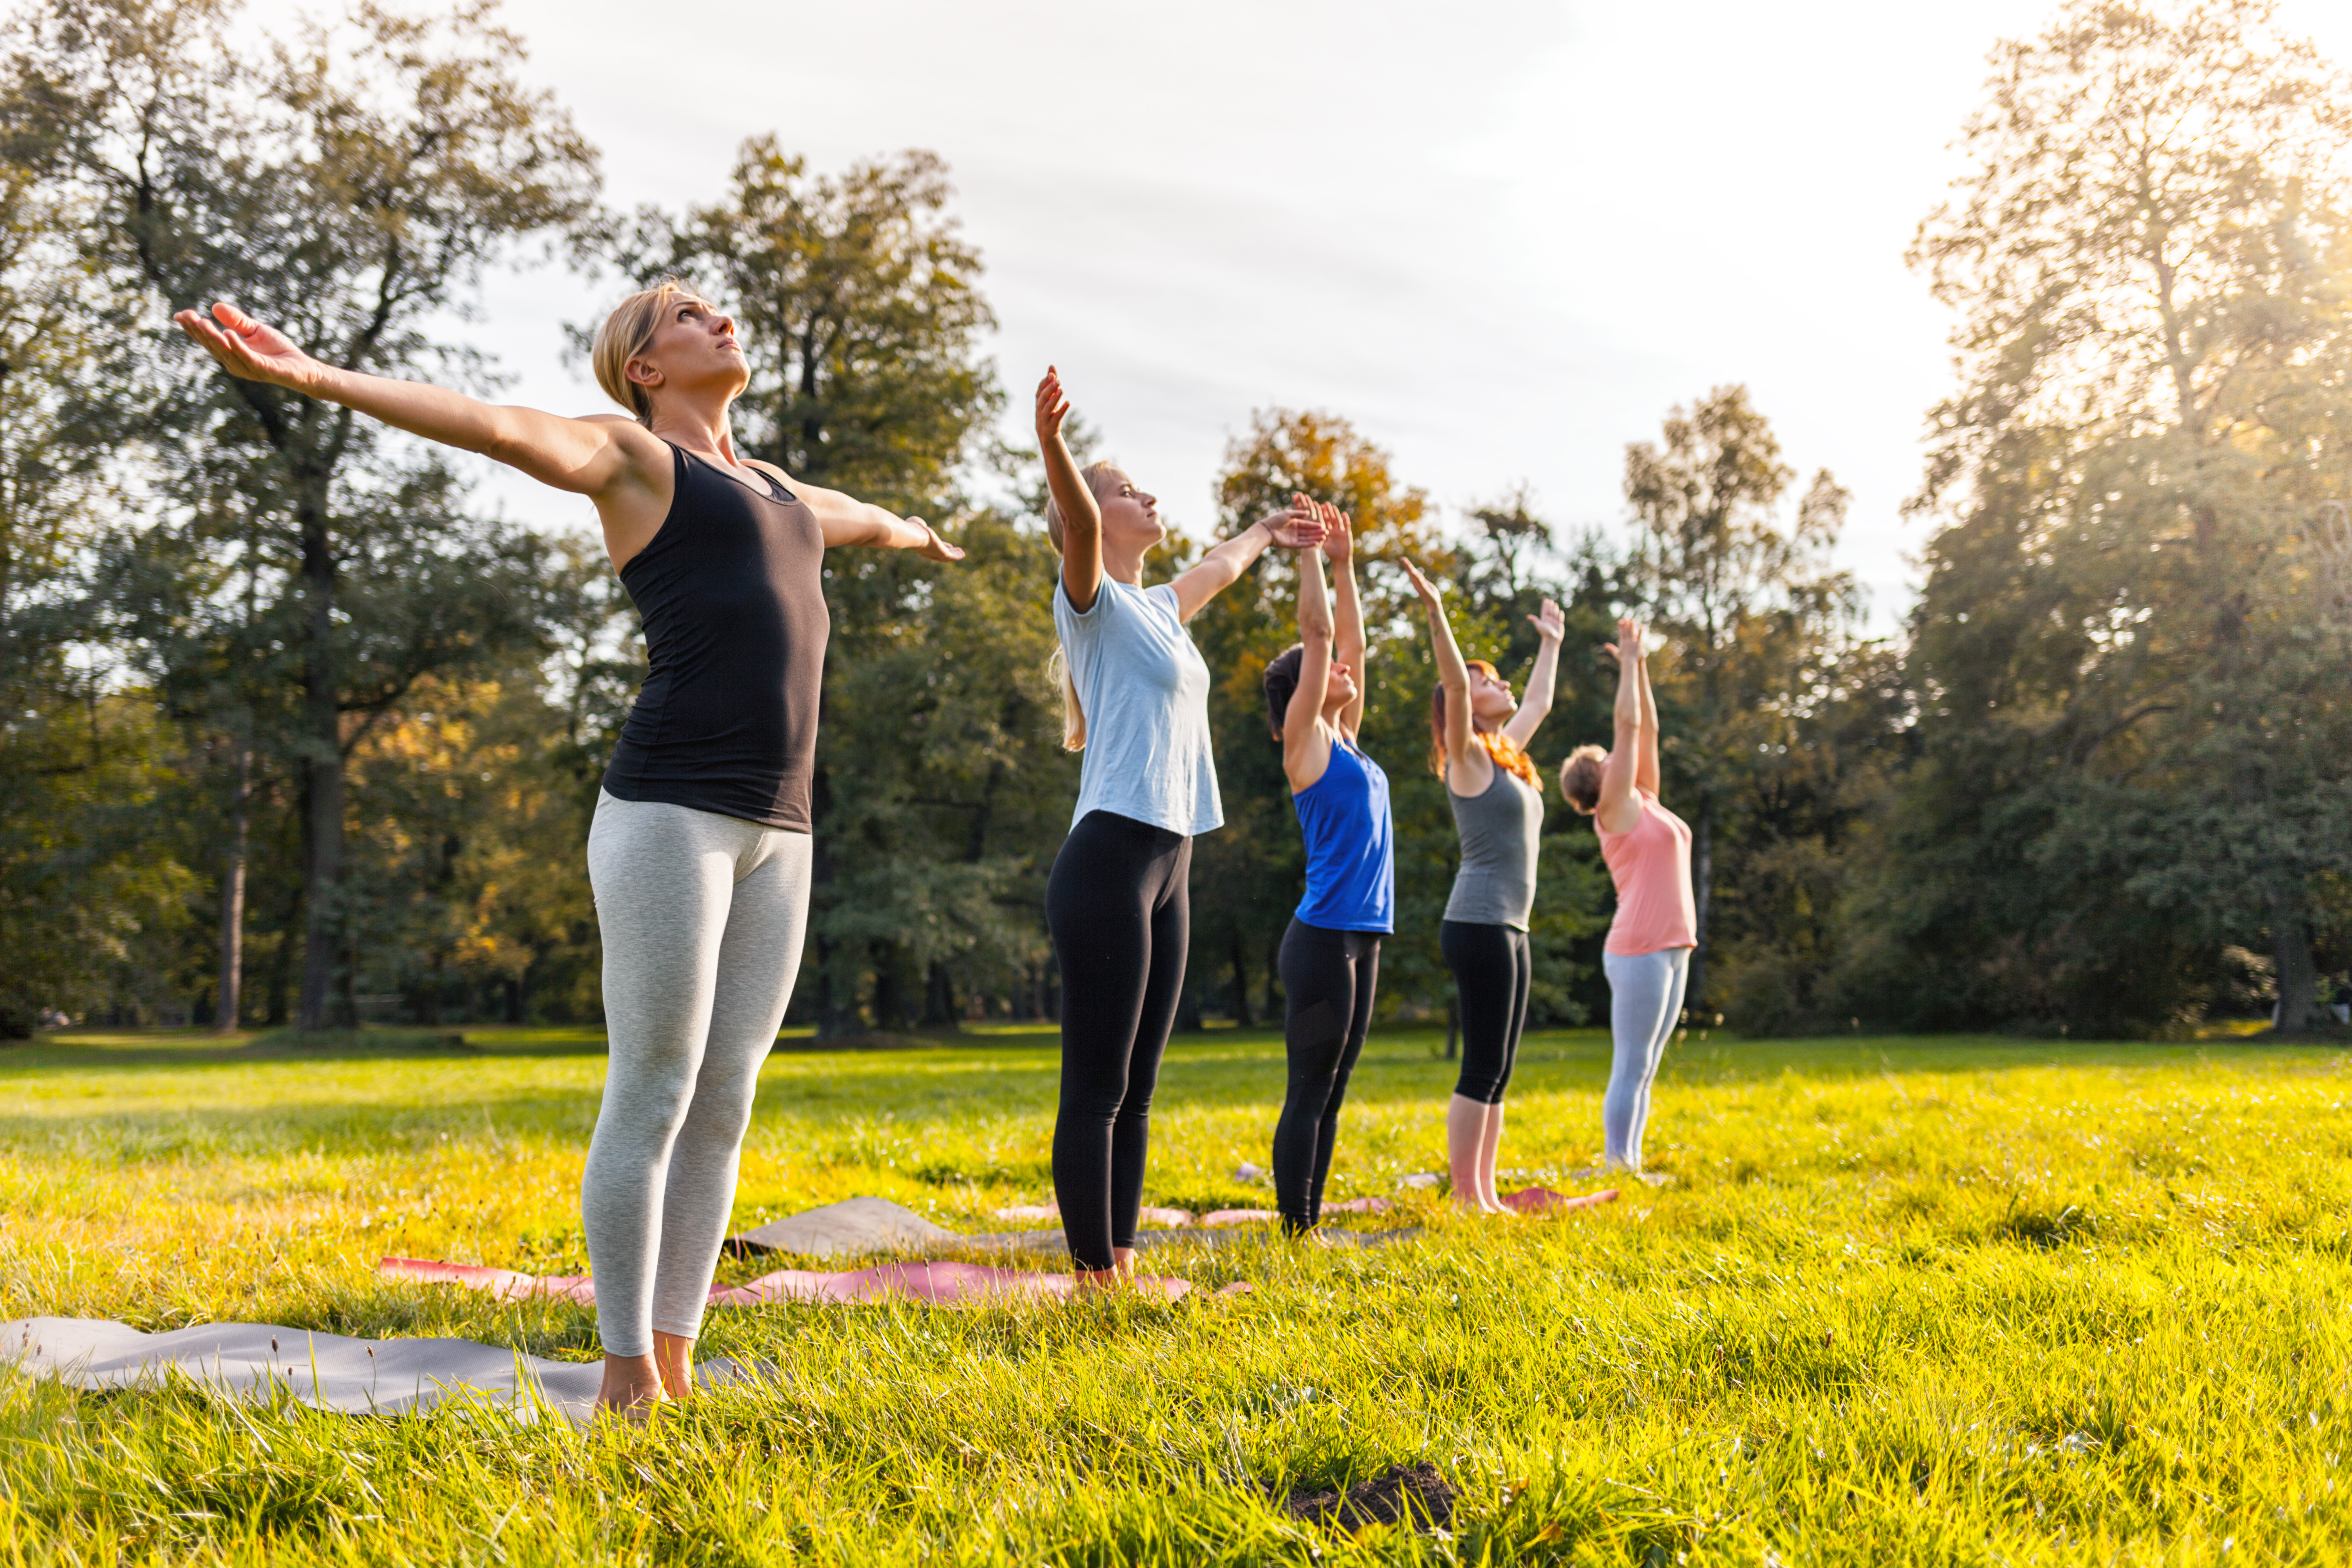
point(1650, 867)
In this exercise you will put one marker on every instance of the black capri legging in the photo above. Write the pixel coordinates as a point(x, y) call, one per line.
point(1490, 964)
point(1328, 978)
point(1118, 904)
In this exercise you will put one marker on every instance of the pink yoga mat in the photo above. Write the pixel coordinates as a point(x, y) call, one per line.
point(1543, 1200)
point(939, 1284)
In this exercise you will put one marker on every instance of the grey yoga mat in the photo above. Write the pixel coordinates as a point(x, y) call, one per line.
point(253, 1362)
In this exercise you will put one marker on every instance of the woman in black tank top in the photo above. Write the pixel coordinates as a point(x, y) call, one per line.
point(700, 850)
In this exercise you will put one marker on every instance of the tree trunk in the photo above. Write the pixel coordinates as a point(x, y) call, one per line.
point(1702, 892)
point(940, 1000)
point(2299, 1006)
point(1241, 982)
point(231, 926)
point(323, 775)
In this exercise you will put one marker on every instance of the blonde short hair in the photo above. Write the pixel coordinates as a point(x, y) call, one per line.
point(1095, 474)
point(627, 332)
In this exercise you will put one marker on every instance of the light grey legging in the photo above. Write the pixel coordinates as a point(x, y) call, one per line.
point(702, 918)
point(1646, 999)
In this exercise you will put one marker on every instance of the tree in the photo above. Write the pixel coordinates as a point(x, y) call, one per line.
point(1752, 606)
point(81, 759)
point(349, 187)
point(2131, 753)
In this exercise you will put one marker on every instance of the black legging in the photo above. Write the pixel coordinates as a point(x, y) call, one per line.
point(1119, 906)
point(1490, 979)
point(1329, 977)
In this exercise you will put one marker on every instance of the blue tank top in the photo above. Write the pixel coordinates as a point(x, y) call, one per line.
point(1350, 845)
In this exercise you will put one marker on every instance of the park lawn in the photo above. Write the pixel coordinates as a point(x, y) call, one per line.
point(1964, 1301)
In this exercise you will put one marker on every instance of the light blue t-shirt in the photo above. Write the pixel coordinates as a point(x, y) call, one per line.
point(1145, 690)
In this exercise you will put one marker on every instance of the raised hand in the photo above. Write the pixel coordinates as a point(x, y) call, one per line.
point(1549, 626)
point(1298, 527)
point(1629, 639)
point(938, 549)
point(248, 350)
point(1053, 406)
point(1420, 584)
point(1338, 535)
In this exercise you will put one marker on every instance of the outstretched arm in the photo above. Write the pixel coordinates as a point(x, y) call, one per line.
point(845, 520)
point(1468, 768)
point(1616, 810)
point(1296, 527)
point(1645, 761)
point(1306, 744)
point(1541, 680)
point(1081, 518)
point(590, 457)
point(1339, 545)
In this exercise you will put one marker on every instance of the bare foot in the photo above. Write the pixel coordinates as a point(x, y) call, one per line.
point(1091, 1282)
point(674, 1357)
point(631, 1389)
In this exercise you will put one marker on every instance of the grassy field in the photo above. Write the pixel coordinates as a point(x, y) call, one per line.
point(1913, 1301)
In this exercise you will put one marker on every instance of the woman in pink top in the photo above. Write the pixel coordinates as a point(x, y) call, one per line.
point(1647, 956)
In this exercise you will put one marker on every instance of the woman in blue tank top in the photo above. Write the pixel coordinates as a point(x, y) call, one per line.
point(1331, 953)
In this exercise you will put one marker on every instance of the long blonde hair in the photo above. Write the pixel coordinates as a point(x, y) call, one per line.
point(1057, 666)
point(1074, 716)
point(625, 334)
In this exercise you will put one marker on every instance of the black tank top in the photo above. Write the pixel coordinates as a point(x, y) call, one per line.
point(732, 594)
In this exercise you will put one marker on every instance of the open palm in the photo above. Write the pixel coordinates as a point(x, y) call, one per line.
point(249, 348)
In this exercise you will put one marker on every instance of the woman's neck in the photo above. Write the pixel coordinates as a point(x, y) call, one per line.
point(1122, 567)
point(702, 430)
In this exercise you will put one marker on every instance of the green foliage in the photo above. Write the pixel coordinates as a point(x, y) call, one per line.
point(1960, 1300)
point(2133, 730)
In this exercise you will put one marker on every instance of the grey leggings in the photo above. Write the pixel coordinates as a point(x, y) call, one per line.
point(1645, 1000)
point(702, 918)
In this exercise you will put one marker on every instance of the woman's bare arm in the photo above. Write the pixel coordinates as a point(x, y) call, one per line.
point(1082, 569)
point(1296, 528)
point(1464, 763)
point(1616, 810)
point(590, 456)
point(1306, 744)
point(1645, 759)
point(845, 520)
point(1339, 545)
point(1542, 681)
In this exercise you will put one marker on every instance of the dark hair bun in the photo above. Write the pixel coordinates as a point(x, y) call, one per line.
point(1282, 684)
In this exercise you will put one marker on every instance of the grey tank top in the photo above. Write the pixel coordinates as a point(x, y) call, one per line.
point(1500, 831)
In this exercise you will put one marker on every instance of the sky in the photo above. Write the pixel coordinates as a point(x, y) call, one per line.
point(1502, 238)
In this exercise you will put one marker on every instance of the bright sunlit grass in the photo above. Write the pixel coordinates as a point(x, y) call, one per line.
point(1947, 1301)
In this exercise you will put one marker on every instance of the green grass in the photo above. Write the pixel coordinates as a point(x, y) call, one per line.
point(1962, 1301)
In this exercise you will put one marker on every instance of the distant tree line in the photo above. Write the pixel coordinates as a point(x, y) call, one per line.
point(294, 730)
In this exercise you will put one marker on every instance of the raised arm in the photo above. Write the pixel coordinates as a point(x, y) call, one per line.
point(597, 457)
point(1645, 761)
point(1348, 649)
point(1616, 810)
point(1297, 527)
point(1469, 771)
point(1541, 680)
point(1306, 744)
point(1082, 568)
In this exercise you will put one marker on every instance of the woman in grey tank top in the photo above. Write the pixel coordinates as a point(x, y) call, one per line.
point(1478, 740)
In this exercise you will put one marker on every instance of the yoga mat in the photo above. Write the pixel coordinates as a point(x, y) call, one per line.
point(252, 1362)
point(936, 1284)
point(1543, 1200)
point(839, 1230)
